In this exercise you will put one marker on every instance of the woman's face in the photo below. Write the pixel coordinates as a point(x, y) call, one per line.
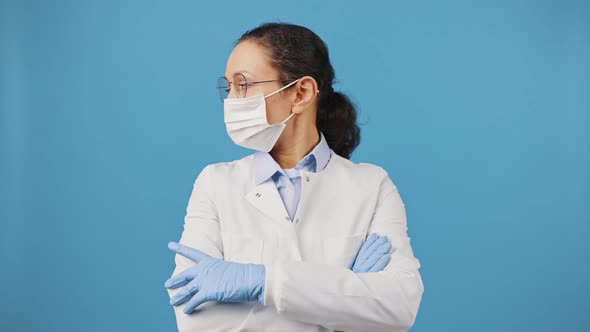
point(251, 60)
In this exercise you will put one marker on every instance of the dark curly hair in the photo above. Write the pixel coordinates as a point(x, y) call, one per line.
point(296, 51)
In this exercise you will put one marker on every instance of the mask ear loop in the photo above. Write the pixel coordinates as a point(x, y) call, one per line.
point(287, 119)
point(283, 88)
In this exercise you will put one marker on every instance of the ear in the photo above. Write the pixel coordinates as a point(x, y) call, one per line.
point(306, 90)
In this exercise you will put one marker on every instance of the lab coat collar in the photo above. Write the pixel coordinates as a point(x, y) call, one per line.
point(266, 198)
point(266, 166)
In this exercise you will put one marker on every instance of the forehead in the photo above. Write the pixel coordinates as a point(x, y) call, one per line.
point(250, 59)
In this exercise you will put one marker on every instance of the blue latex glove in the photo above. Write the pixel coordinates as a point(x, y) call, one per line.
point(373, 256)
point(213, 279)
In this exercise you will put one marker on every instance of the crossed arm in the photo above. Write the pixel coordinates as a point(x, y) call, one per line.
point(333, 297)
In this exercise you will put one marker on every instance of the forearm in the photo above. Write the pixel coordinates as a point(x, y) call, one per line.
point(340, 299)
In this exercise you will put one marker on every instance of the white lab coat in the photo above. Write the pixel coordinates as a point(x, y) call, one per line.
point(308, 285)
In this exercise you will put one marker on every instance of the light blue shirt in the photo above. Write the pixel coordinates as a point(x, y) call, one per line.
point(288, 181)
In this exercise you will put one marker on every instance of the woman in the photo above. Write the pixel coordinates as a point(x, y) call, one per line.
point(275, 241)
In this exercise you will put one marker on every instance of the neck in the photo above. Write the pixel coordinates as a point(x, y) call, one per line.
point(288, 153)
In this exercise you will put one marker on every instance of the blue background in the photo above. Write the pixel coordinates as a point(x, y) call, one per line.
point(480, 111)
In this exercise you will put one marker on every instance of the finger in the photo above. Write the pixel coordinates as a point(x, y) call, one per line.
point(383, 249)
point(185, 293)
point(182, 278)
point(361, 268)
point(188, 252)
point(378, 243)
point(372, 238)
point(197, 300)
point(375, 256)
point(381, 264)
point(371, 249)
point(362, 254)
point(360, 264)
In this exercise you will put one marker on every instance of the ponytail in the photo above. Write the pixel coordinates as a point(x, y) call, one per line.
point(336, 119)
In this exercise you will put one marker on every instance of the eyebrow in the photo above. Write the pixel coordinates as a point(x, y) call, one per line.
point(239, 72)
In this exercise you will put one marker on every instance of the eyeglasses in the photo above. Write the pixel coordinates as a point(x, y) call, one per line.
point(240, 85)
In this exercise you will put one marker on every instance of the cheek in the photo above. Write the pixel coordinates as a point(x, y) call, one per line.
point(277, 110)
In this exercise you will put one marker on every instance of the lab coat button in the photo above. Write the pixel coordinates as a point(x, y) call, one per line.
point(297, 220)
point(287, 217)
point(307, 178)
point(258, 194)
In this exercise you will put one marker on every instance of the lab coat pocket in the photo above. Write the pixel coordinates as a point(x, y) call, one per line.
point(342, 250)
point(242, 248)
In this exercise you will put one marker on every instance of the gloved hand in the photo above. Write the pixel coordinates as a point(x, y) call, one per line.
point(213, 279)
point(373, 256)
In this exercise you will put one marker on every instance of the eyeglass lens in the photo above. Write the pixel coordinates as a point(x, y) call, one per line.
point(238, 84)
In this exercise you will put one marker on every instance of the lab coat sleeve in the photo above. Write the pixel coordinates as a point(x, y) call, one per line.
point(338, 298)
point(201, 231)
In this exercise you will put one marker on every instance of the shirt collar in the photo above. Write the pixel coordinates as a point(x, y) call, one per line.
point(266, 166)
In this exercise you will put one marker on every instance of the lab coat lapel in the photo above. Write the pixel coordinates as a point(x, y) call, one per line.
point(265, 197)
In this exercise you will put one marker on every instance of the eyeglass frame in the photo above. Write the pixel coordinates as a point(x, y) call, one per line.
point(245, 84)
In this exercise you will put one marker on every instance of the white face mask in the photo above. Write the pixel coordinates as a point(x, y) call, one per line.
point(246, 123)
